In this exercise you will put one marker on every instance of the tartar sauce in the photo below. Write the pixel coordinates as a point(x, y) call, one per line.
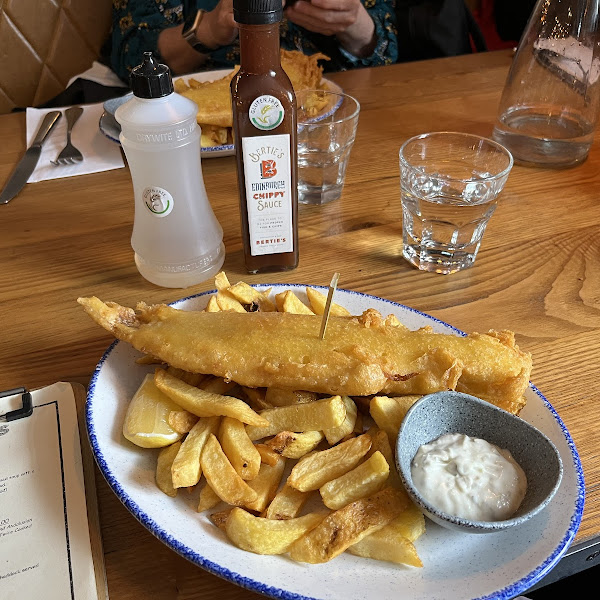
point(468, 477)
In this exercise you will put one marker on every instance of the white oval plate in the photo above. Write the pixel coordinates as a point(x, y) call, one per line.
point(457, 566)
point(111, 129)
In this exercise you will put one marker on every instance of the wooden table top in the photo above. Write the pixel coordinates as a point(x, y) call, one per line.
point(537, 273)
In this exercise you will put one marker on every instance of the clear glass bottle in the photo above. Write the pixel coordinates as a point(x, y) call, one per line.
point(549, 106)
point(176, 237)
point(264, 123)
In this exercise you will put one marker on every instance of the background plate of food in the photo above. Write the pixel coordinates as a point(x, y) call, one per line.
point(210, 91)
point(454, 565)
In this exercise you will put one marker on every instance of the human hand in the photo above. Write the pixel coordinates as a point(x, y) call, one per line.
point(348, 20)
point(328, 17)
point(218, 27)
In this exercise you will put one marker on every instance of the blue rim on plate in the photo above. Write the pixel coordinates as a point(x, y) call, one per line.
point(111, 129)
point(527, 575)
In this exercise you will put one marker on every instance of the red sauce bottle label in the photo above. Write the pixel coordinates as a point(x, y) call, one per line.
point(268, 189)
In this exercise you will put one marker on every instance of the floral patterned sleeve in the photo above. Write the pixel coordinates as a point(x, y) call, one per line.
point(138, 23)
point(136, 26)
point(386, 51)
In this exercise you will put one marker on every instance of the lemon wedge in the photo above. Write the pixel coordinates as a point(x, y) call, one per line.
point(146, 421)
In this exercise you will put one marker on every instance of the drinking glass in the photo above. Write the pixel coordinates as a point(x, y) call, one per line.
point(327, 123)
point(450, 184)
point(549, 106)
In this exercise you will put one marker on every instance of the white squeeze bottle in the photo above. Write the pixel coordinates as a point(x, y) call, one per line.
point(176, 237)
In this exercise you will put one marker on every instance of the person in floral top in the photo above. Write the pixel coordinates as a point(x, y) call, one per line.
point(352, 33)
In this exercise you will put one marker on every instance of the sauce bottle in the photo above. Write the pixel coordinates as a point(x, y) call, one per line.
point(264, 124)
point(176, 237)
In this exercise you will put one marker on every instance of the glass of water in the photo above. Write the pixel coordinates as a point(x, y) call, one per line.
point(327, 123)
point(450, 184)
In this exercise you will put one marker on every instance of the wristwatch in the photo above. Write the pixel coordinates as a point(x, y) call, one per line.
point(190, 27)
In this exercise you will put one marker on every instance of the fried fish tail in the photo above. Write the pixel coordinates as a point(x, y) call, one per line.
point(119, 320)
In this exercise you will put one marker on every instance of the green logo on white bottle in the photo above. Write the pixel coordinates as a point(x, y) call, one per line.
point(158, 201)
point(266, 112)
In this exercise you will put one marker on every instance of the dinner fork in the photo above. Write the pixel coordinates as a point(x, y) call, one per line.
point(69, 155)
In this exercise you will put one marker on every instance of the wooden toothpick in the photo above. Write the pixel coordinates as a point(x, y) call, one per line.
point(325, 319)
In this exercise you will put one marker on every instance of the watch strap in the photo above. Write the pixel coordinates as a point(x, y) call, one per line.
point(190, 27)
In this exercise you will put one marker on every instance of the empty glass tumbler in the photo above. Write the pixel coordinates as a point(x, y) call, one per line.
point(327, 123)
point(549, 106)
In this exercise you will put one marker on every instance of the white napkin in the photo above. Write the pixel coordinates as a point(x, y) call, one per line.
point(99, 153)
point(100, 74)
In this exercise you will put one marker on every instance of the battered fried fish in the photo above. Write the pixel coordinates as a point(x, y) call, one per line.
point(359, 356)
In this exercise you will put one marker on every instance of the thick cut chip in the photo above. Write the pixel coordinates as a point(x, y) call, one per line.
point(213, 135)
point(313, 416)
point(222, 477)
point(381, 443)
point(217, 385)
point(256, 398)
point(227, 302)
point(410, 524)
point(165, 459)
point(265, 484)
point(267, 454)
point(238, 447)
point(182, 420)
point(348, 525)
point(208, 498)
point(388, 413)
point(287, 503)
point(335, 434)
point(267, 536)
point(318, 301)
point(365, 479)
point(382, 545)
point(189, 378)
point(203, 403)
point(221, 281)
point(186, 470)
point(316, 469)
point(277, 397)
point(290, 303)
point(394, 542)
point(246, 294)
point(213, 305)
point(295, 445)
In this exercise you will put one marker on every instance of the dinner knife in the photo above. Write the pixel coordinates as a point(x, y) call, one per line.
point(27, 164)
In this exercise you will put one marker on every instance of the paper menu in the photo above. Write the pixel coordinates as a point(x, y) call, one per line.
point(45, 547)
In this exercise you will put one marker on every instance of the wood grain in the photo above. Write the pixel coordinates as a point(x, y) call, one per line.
point(538, 273)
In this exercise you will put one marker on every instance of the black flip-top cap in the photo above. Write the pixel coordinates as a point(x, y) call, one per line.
point(257, 12)
point(151, 79)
